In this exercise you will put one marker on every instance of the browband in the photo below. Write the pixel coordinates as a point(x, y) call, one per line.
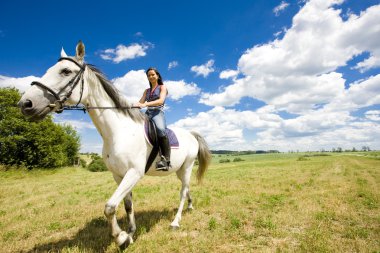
point(72, 60)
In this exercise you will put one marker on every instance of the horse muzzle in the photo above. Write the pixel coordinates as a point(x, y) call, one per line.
point(34, 111)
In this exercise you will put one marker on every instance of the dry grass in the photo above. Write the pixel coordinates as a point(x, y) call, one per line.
point(265, 203)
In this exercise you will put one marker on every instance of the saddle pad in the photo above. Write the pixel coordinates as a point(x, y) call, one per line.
point(173, 141)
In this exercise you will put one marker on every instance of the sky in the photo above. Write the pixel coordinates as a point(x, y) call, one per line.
point(246, 74)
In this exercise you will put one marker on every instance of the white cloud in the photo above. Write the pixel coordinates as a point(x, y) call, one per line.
point(79, 125)
point(21, 83)
point(228, 73)
point(361, 34)
point(230, 96)
point(139, 34)
point(281, 7)
point(179, 89)
point(205, 69)
point(123, 53)
point(369, 63)
point(360, 94)
point(321, 129)
point(172, 64)
point(132, 84)
point(373, 115)
point(314, 123)
point(223, 128)
point(296, 94)
point(298, 73)
point(348, 136)
point(189, 111)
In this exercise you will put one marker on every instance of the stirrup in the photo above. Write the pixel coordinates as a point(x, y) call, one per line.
point(163, 165)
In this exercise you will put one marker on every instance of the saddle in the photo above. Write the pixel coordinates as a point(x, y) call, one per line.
point(152, 138)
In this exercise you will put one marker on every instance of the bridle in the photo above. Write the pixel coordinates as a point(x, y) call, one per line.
point(58, 105)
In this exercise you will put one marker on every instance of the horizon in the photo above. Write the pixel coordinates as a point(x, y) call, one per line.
point(262, 75)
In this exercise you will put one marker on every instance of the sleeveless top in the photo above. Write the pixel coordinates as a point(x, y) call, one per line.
point(154, 95)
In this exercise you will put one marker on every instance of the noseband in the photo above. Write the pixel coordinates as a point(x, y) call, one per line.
point(60, 101)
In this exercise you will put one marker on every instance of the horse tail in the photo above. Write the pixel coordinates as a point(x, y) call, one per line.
point(204, 156)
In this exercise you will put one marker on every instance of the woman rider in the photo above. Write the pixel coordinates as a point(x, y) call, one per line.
point(154, 99)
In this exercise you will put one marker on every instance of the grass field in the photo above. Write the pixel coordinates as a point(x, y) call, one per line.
point(265, 203)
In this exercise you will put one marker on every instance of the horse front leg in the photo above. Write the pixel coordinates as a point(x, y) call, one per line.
point(122, 238)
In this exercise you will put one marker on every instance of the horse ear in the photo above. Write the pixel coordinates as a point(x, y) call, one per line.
point(63, 53)
point(80, 51)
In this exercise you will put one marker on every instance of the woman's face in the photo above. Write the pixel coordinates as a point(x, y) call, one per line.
point(152, 76)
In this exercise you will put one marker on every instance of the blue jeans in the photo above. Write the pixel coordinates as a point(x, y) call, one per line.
point(158, 117)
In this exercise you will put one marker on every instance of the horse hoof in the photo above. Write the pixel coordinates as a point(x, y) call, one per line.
point(124, 240)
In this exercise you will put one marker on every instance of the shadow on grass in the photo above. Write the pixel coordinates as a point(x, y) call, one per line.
point(95, 236)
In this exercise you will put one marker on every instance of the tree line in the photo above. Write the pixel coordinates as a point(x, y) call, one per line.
point(247, 152)
point(42, 144)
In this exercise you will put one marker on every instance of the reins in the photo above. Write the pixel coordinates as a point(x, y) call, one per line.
point(87, 108)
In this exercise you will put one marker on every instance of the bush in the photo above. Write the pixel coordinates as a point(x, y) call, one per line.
point(97, 165)
point(83, 163)
point(238, 159)
point(224, 160)
point(302, 158)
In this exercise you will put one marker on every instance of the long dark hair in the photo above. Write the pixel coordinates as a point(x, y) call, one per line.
point(159, 81)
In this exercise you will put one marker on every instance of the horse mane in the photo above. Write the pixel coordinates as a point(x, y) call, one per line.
point(119, 100)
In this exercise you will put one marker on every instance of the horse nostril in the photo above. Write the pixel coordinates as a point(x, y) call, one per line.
point(28, 104)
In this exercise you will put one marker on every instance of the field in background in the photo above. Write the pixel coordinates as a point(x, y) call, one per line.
point(262, 203)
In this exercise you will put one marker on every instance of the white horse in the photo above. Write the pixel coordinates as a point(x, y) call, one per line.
point(125, 148)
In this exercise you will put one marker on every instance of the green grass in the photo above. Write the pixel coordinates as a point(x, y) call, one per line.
point(265, 203)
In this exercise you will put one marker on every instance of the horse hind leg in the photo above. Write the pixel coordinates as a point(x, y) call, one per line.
point(184, 174)
point(128, 205)
point(189, 201)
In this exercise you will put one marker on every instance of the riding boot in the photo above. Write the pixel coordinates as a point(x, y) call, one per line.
point(164, 164)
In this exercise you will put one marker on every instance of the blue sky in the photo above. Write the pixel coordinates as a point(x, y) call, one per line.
point(248, 75)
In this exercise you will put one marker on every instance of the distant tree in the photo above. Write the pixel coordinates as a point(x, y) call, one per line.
point(354, 149)
point(33, 144)
point(95, 156)
point(366, 148)
point(71, 142)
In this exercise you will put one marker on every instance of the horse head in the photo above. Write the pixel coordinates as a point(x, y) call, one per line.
point(62, 84)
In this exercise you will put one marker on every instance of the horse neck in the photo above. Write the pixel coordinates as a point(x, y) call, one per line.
point(107, 121)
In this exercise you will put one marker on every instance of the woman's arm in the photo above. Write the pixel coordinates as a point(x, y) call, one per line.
point(142, 100)
point(158, 102)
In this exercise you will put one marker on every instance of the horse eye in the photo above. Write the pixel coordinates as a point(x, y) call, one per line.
point(66, 72)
